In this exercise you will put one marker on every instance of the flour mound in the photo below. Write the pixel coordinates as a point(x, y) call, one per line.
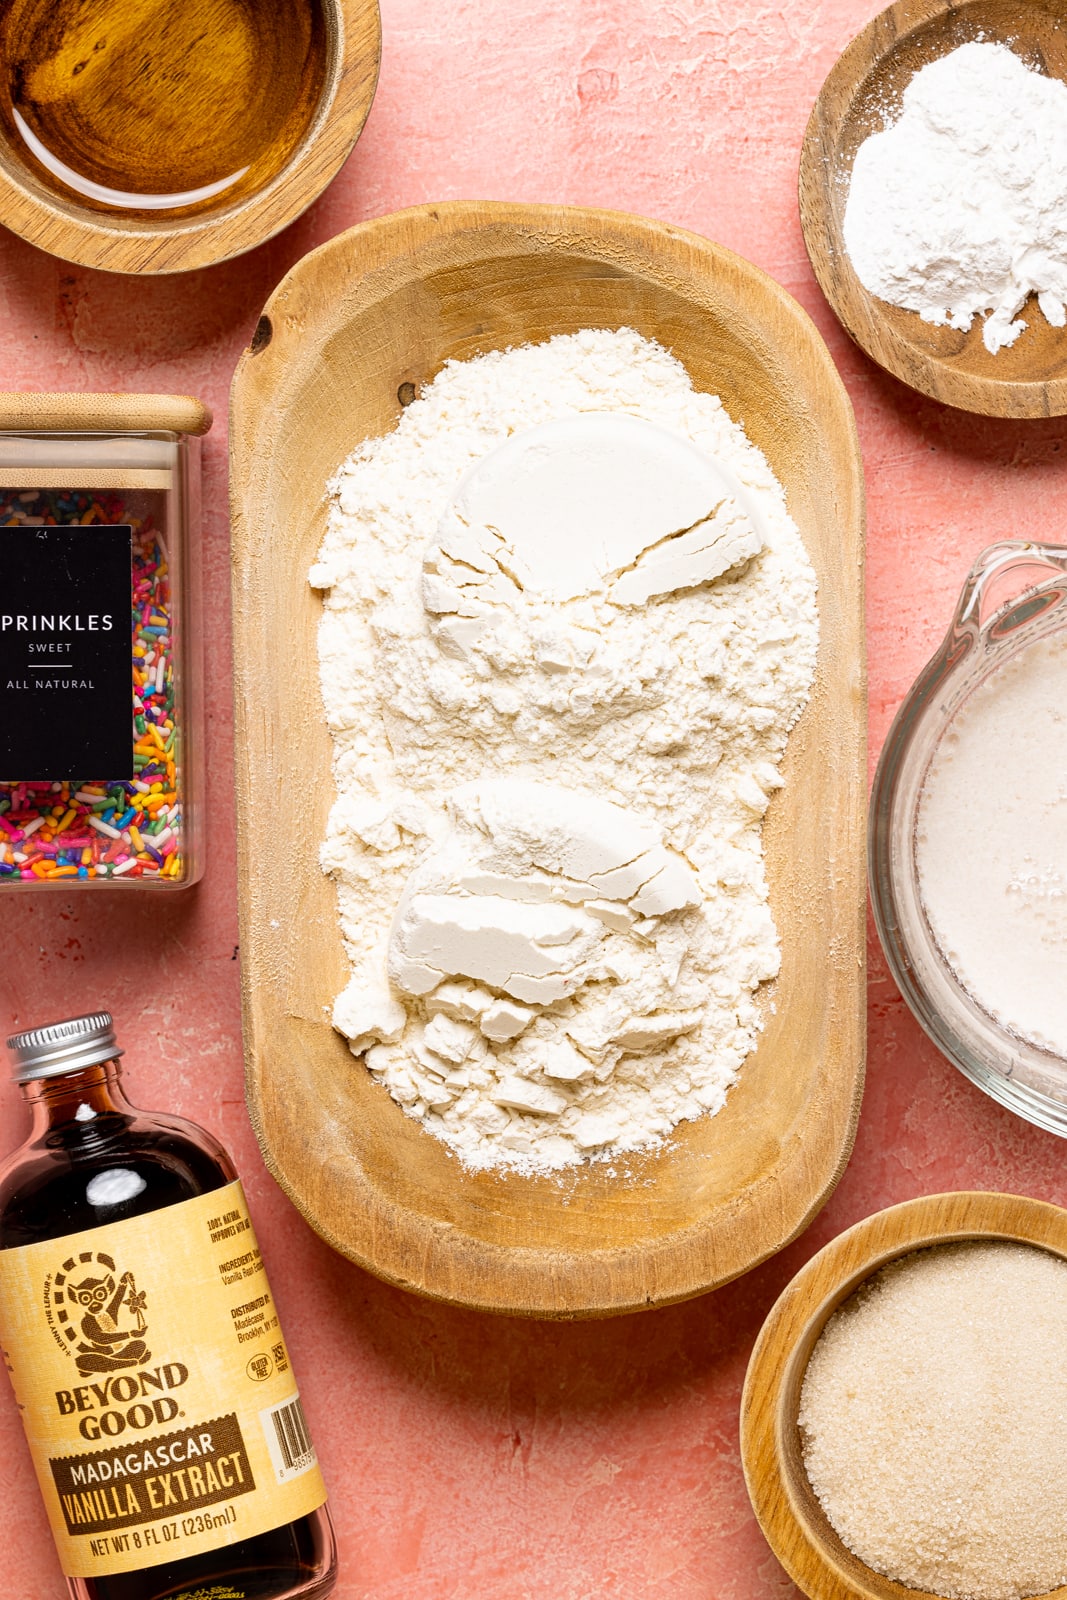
point(960, 207)
point(546, 838)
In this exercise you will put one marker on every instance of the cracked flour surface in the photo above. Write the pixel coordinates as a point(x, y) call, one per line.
point(546, 838)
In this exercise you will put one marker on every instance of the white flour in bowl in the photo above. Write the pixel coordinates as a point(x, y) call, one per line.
point(959, 208)
point(551, 774)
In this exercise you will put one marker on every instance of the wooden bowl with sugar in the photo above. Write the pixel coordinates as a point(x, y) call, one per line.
point(346, 340)
point(793, 1521)
point(155, 136)
point(862, 93)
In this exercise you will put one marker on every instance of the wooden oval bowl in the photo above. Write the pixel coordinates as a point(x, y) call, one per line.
point(354, 331)
point(792, 1519)
point(303, 148)
point(864, 88)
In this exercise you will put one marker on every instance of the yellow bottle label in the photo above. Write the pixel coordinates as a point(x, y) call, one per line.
point(155, 1387)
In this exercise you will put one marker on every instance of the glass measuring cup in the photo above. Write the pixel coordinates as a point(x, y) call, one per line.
point(1015, 594)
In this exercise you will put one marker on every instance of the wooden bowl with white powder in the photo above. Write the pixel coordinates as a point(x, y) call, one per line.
point(861, 97)
point(909, 1367)
point(351, 337)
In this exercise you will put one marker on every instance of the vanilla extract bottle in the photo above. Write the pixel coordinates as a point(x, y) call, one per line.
point(143, 1345)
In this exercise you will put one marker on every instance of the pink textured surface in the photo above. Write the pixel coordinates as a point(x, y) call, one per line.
point(471, 1456)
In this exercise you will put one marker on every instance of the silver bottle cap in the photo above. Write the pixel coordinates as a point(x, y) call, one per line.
point(63, 1047)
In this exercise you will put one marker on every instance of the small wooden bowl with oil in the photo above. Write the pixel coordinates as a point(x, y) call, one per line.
point(793, 1521)
point(156, 136)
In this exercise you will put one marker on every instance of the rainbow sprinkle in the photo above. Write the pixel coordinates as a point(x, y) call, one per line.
point(127, 829)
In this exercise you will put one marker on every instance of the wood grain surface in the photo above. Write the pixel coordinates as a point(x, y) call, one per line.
point(103, 413)
point(862, 93)
point(791, 1517)
point(143, 98)
point(358, 324)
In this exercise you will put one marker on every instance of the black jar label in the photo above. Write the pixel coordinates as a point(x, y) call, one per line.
point(66, 689)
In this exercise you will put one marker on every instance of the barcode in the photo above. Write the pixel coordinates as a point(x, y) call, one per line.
point(288, 1439)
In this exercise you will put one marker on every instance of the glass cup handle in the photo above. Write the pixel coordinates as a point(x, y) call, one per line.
point(1009, 584)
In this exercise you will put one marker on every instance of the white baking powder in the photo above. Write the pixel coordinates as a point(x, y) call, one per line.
point(550, 781)
point(959, 207)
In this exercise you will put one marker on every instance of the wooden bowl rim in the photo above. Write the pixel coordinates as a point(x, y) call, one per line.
point(587, 227)
point(928, 374)
point(807, 1548)
point(137, 245)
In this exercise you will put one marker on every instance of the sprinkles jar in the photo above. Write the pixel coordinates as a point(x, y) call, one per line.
point(100, 717)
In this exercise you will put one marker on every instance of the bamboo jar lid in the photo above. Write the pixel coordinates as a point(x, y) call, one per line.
point(103, 413)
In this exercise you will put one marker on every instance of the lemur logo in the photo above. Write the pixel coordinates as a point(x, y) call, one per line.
point(100, 1314)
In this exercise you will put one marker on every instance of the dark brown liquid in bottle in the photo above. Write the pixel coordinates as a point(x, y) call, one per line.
point(83, 1125)
point(160, 107)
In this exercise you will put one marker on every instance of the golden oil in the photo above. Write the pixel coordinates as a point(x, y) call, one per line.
point(160, 107)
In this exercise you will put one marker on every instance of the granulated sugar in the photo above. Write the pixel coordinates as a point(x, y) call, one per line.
point(934, 1421)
